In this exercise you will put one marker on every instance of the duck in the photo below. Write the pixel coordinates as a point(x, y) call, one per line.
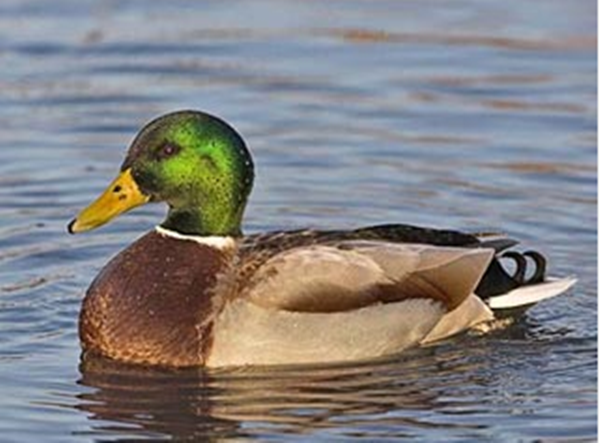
point(196, 292)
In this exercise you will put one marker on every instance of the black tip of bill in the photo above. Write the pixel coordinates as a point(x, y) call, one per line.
point(70, 226)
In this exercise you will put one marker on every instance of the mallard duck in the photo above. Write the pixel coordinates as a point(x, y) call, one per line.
point(196, 292)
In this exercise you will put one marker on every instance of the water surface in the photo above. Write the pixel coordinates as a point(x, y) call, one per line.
point(470, 115)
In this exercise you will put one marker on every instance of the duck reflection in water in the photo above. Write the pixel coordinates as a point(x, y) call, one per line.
point(249, 402)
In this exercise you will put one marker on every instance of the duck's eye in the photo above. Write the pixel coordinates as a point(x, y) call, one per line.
point(167, 150)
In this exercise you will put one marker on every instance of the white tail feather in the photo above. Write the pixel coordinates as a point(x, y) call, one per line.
point(529, 295)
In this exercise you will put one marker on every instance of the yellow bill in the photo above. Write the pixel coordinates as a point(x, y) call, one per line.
point(121, 195)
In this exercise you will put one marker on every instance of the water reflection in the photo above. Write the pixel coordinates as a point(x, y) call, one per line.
point(148, 402)
point(389, 395)
point(453, 390)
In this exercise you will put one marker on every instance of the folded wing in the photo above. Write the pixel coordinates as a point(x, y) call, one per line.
point(356, 274)
point(347, 301)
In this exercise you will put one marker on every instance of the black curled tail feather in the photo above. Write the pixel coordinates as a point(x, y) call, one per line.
point(539, 274)
point(497, 280)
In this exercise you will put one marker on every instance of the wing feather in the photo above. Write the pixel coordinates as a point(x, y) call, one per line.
point(356, 274)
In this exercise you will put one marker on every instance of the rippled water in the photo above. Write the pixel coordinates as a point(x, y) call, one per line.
point(472, 115)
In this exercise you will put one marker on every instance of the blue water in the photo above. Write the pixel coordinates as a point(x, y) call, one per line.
point(476, 115)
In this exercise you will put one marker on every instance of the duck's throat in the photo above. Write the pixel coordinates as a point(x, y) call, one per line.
point(203, 223)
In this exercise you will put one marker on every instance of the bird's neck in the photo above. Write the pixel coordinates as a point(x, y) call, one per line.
point(193, 221)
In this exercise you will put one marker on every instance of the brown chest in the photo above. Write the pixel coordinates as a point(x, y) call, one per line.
point(154, 302)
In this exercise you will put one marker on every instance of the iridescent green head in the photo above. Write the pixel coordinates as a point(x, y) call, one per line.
point(195, 162)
